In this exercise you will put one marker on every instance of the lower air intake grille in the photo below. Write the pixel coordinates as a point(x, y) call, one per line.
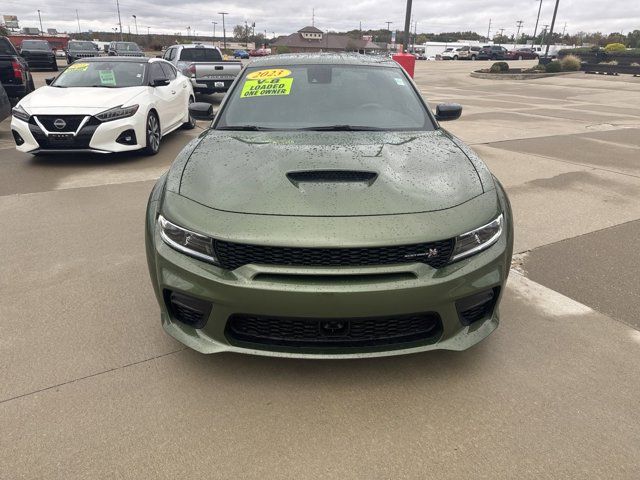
point(187, 309)
point(477, 307)
point(235, 255)
point(398, 330)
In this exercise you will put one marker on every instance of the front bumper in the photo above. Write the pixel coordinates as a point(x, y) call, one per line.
point(40, 62)
point(327, 293)
point(94, 136)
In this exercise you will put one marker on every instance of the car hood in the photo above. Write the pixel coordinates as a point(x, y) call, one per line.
point(285, 173)
point(78, 99)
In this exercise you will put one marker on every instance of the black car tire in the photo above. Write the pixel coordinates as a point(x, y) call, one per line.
point(30, 86)
point(455, 57)
point(153, 134)
point(519, 57)
point(191, 124)
point(54, 66)
point(473, 57)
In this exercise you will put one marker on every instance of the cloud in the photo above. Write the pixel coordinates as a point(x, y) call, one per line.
point(286, 16)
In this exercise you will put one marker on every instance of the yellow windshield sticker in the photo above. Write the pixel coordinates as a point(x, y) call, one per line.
point(266, 87)
point(78, 67)
point(272, 73)
point(107, 77)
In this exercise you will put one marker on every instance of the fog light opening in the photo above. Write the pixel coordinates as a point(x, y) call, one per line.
point(186, 309)
point(128, 137)
point(16, 136)
point(477, 307)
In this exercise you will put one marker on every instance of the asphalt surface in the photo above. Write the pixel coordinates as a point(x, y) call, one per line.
point(91, 387)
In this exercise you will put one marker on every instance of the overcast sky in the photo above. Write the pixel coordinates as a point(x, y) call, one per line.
point(287, 16)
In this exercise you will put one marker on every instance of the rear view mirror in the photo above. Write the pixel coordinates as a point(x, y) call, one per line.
point(50, 80)
point(448, 111)
point(202, 111)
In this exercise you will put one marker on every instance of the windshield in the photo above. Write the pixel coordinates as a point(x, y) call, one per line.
point(35, 45)
point(341, 97)
point(127, 47)
point(102, 74)
point(81, 46)
point(200, 55)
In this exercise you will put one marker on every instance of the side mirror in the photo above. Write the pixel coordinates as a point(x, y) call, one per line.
point(448, 111)
point(158, 56)
point(160, 82)
point(201, 111)
point(50, 80)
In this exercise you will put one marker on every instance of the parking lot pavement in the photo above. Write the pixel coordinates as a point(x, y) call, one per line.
point(90, 386)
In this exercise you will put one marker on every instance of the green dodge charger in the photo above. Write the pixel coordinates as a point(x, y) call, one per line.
point(326, 214)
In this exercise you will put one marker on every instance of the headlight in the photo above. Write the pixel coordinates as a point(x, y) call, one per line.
point(186, 241)
point(477, 240)
point(20, 113)
point(117, 113)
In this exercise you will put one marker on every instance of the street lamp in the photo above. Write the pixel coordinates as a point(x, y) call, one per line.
point(41, 30)
point(213, 40)
point(224, 30)
point(135, 20)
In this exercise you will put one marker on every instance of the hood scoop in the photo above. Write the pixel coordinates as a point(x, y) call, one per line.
point(332, 176)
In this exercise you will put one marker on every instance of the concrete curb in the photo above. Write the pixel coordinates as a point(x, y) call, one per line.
point(515, 76)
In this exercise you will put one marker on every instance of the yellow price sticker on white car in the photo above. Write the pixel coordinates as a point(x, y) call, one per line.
point(78, 67)
point(266, 87)
point(271, 73)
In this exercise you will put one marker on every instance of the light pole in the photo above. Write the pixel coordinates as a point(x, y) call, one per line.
point(119, 19)
point(213, 41)
point(553, 22)
point(389, 29)
point(535, 30)
point(519, 24)
point(407, 27)
point(224, 30)
point(135, 21)
point(78, 18)
point(41, 31)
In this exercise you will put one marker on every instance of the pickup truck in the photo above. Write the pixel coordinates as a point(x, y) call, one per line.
point(204, 65)
point(15, 76)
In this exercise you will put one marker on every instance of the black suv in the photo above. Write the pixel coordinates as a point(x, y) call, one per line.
point(125, 49)
point(492, 52)
point(38, 54)
point(81, 49)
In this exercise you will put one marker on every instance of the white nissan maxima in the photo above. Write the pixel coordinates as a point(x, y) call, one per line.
point(109, 104)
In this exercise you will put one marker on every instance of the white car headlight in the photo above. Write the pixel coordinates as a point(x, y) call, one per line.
point(477, 240)
point(117, 113)
point(20, 113)
point(192, 243)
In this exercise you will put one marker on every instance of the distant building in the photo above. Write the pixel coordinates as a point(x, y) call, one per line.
point(312, 39)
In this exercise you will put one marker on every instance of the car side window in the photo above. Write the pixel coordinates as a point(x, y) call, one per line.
point(168, 70)
point(156, 73)
point(170, 54)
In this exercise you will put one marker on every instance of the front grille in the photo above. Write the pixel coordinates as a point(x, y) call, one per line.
point(70, 142)
point(234, 255)
point(399, 330)
point(72, 122)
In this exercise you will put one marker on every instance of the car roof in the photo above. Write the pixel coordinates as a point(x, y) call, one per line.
point(117, 59)
point(292, 59)
point(194, 45)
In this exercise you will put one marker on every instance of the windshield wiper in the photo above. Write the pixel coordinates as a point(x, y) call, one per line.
point(102, 86)
point(342, 128)
point(251, 128)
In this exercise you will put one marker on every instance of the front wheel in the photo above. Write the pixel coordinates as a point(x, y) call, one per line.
point(455, 57)
point(519, 57)
point(153, 134)
point(473, 58)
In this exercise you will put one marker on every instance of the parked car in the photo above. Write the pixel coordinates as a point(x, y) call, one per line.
point(522, 54)
point(420, 56)
point(469, 53)
point(38, 54)
point(240, 54)
point(124, 49)
point(492, 52)
point(281, 232)
point(204, 65)
point(108, 104)
point(77, 49)
point(5, 104)
point(451, 53)
point(15, 75)
point(259, 52)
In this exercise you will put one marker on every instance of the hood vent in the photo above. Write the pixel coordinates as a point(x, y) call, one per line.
point(332, 176)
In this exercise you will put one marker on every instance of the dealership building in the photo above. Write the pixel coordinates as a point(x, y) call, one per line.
point(312, 39)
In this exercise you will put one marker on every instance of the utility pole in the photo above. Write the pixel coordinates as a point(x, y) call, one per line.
point(224, 30)
point(489, 30)
point(119, 19)
point(407, 27)
point(213, 41)
point(78, 18)
point(246, 34)
point(565, 28)
point(313, 17)
point(519, 24)
point(41, 31)
point(148, 31)
point(389, 29)
point(135, 20)
point(535, 30)
point(501, 31)
point(553, 22)
point(544, 34)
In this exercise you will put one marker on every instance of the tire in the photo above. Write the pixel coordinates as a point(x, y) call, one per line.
point(519, 57)
point(191, 124)
point(455, 57)
point(54, 67)
point(153, 134)
point(473, 58)
point(31, 86)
